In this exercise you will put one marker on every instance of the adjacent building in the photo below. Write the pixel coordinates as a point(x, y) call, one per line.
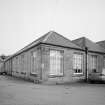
point(101, 43)
point(94, 55)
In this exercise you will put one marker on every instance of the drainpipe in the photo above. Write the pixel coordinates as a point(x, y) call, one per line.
point(4, 67)
point(86, 58)
point(41, 63)
point(11, 67)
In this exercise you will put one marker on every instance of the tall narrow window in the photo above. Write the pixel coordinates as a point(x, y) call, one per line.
point(56, 63)
point(16, 62)
point(34, 62)
point(22, 63)
point(78, 63)
point(13, 64)
point(94, 63)
point(104, 62)
point(103, 69)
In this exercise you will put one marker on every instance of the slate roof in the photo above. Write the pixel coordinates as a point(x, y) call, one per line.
point(57, 39)
point(1, 60)
point(101, 43)
point(52, 38)
point(92, 46)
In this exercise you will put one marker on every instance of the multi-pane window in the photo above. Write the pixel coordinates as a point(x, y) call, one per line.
point(78, 63)
point(103, 69)
point(16, 63)
point(22, 63)
point(13, 64)
point(56, 62)
point(94, 63)
point(34, 62)
point(104, 62)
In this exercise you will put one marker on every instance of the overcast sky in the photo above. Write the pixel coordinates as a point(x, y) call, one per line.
point(23, 21)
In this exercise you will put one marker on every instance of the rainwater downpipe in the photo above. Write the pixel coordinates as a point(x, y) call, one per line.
point(86, 58)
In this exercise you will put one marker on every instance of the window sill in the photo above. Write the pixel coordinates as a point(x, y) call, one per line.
point(77, 74)
point(24, 73)
point(34, 74)
point(54, 76)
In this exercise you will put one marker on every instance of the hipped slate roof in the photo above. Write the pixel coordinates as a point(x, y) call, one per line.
point(57, 39)
point(51, 38)
point(92, 46)
point(101, 43)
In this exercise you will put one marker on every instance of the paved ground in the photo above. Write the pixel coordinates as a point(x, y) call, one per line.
point(18, 92)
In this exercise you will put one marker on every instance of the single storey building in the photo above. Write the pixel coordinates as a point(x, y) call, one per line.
point(54, 58)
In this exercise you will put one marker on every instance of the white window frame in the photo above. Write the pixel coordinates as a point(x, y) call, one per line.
point(56, 63)
point(33, 60)
point(76, 64)
point(104, 62)
point(94, 62)
point(23, 63)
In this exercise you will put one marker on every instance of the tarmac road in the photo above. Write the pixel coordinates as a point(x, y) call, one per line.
point(19, 92)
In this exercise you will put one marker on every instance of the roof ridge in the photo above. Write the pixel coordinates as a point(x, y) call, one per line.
point(48, 35)
point(38, 39)
point(92, 46)
point(100, 41)
point(84, 42)
point(66, 39)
